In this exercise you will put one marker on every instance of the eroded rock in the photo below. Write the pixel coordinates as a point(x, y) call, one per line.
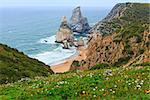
point(78, 23)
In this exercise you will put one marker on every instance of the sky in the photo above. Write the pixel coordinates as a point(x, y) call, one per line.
point(86, 3)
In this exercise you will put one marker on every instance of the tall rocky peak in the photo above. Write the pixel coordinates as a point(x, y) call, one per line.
point(78, 23)
point(76, 15)
point(127, 41)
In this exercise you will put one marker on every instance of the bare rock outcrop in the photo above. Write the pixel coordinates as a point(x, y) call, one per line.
point(78, 23)
point(64, 33)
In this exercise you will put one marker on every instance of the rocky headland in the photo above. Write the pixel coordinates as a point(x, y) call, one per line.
point(120, 39)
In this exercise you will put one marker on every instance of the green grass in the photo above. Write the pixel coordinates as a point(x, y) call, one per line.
point(129, 83)
point(14, 65)
point(100, 66)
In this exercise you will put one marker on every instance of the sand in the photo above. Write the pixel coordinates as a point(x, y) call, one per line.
point(65, 65)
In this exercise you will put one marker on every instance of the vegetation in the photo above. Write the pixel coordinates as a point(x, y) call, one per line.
point(76, 63)
point(100, 66)
point(113, 83)
point(134, 20)
point(14, 65)
point(102, 81)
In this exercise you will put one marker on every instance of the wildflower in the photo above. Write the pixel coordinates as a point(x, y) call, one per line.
point(113, 91)
point(94, 96)
point(129, 83)
point(138, 86)
point(110, 89)
point(83, 92)
point(94, 89)
point(115, 86)
point(141, 83)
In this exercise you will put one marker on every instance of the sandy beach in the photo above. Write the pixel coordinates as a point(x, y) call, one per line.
point(65, 65)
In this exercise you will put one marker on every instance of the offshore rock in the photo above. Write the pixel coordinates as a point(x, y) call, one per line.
point(78, 23)
point(64, 33)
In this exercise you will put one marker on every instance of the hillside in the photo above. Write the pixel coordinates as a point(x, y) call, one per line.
point(14, 65)
point(110, 84)
point(120, 39)
point(117, 64)
point(125, 18)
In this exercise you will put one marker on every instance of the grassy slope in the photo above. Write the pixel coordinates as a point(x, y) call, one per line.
point(130, 83)
point(14, 65)
point(135, 20)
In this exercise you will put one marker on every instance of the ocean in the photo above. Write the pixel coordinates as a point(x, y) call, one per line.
point(27, 28)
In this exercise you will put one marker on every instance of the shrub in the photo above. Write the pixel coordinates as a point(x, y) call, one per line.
point(100, 66)
point(76, 63)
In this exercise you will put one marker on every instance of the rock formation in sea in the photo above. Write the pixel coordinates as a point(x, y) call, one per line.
point(64, 33)
point(78, 23)
point(120, 39)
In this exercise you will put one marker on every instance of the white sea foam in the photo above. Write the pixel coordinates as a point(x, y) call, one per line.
point(55, 56)
point(48, 40)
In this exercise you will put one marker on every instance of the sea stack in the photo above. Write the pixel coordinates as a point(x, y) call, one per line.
point(78, 23)
point(64, 33)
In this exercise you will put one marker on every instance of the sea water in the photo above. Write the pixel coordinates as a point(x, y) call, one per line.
point(32, 30)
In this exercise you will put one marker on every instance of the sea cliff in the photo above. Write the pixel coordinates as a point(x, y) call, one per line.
point(120, 39)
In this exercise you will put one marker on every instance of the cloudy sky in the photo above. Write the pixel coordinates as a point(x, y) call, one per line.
point(89, 3)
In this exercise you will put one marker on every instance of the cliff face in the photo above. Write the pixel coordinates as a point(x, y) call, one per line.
point(120, 39)
point(78, 23)
point(125, 52)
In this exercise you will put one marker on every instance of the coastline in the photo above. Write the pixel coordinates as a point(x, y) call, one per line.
point(64, 66)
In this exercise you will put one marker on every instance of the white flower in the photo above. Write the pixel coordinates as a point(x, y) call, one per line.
point(142, 81)
point(110, 89)
point(139, 86)
point(94, 96)
point(83, 92)
point(94, 89)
